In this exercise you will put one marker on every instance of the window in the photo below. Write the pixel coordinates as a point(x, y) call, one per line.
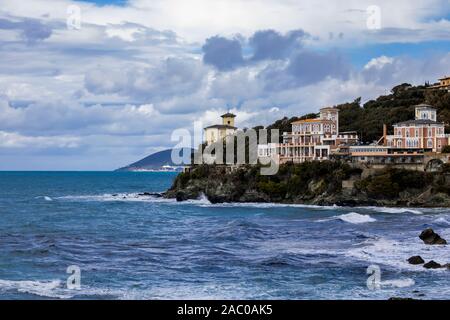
point(417, 133)
point(399, 143)
point(430, 132)
point(430, 143)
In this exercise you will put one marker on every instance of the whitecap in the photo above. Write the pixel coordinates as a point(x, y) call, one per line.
point(355, 218)
point(383, 251)
point(50, 289)
point(394, 210)
point(398, 283)
point(46, 198)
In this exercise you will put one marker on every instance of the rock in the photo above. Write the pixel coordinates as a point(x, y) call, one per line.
point(447, 266)
point(150, 194)
point(428, 236)
point(432, 265)
point(416, 260)
point(181, 196)
point(400, 299)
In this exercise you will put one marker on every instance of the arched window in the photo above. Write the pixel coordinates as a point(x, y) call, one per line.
point(399, 143)
point(430, 143)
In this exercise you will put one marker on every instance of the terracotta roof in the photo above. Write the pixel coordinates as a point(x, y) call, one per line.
point(307, 120)
point(318, 120)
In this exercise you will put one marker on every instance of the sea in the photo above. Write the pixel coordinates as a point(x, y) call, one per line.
point(91, 235)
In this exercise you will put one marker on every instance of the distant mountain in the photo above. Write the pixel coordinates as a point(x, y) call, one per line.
point(157, 161)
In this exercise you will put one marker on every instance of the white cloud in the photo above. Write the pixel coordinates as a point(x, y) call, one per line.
point(114, 90)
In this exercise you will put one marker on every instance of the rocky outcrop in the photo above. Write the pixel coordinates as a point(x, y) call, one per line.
point(416, 260)
point(429, 237)
point(432, 265)
point(314, 183)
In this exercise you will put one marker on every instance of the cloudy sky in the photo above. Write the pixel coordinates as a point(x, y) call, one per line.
point(95, 85)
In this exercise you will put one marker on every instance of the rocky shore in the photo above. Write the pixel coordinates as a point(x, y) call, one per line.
point(315, 183)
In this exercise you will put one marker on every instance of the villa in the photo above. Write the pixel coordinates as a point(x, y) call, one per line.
point(443, 84)
point(311, 139)
point(219, 132)
point(410, 142)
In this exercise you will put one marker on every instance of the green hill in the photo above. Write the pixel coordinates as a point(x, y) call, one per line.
point(368, 119)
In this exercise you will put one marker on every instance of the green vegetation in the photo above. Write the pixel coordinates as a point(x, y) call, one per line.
point(368, 119)
point(305, 180)
point(388, 183)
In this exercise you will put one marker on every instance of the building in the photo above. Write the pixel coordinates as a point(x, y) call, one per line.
point(218, 132)
point(423, 133)
point(310, 139)
point(410, 141)
point(443, 84)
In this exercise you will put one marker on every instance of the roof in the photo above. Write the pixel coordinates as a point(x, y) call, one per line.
point(228, 115)
point(445, 78)
point(330, 108)
point(420, 121)
point(221, 126)
point(425, 106)
point(308, 120)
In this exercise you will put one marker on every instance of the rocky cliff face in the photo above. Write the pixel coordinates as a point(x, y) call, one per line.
point(325, 183)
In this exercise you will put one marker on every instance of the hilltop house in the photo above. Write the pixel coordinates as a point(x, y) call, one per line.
point(443, 84)
point(410, 141)
point(218, 132)
point(310, 139)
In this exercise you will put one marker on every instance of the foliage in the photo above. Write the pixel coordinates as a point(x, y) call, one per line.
point(369, 118)
point(388, 183)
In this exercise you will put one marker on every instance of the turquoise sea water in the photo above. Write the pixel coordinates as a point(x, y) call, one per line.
point(141, 247)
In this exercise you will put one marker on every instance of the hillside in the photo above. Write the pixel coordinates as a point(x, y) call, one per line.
point(368, 119)
point(154, 161)
point(315, 183)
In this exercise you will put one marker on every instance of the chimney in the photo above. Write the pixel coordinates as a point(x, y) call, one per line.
point(384, 135)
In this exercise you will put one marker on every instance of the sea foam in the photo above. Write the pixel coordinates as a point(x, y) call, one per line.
point(356, 218)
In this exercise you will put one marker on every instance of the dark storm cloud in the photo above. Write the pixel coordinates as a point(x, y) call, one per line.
point(227, 54)
point(272, 45)
point(223, 53)
point(306, 68)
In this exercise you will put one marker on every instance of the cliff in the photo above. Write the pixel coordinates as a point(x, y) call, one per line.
point(315, 183)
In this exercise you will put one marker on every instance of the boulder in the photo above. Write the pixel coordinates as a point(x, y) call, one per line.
point(428, 236)
point(151, 194)
point(416, 260)
point(432, 265)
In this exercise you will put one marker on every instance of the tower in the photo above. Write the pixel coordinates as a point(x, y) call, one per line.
point(228, 119)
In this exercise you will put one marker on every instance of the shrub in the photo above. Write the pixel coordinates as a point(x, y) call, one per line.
point(446, 149)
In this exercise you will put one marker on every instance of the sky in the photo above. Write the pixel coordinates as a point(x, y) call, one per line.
point(96, 85)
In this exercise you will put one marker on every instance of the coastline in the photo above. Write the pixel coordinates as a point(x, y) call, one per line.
point(317, 184)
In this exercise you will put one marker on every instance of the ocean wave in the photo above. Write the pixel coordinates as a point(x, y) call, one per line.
point(352, 217)
point(356, 218)
point(49, 289)
point(394, 253)
point(394, 210)
point(398, 283)
point(442, 221)
point(133, 197)
point(46, 198)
